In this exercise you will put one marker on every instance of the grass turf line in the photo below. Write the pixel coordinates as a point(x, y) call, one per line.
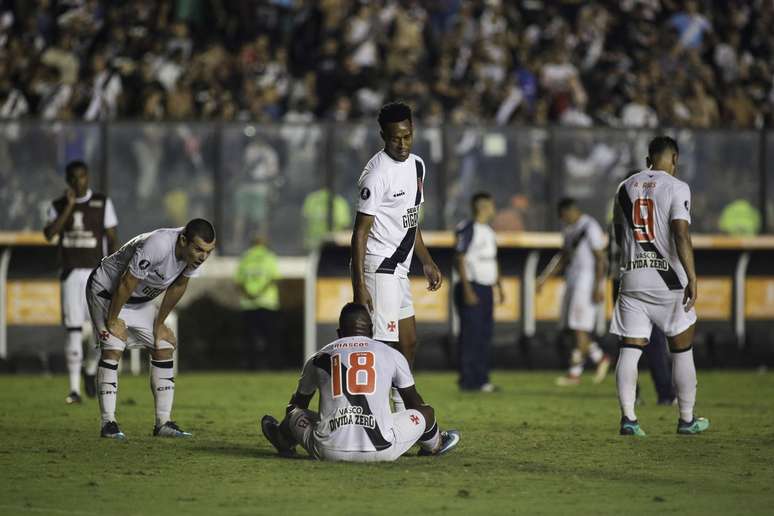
point(531, 448)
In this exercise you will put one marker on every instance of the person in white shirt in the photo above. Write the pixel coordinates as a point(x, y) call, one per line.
point(583, 262)
point(354, 375)
point(651, 218)
point(85, 224)
point(476, 265)
point(120, 294)
point(386, 233)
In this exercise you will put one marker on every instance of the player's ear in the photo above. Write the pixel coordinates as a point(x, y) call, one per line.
point(648, 163)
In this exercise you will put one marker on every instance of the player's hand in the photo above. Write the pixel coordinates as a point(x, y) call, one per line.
point(363, 297)
point(469, 296)
point(689, 298)
point(70, 196)
point(500, 294)
point(598, 296)
point(117, 328)
point(433, 275)
point(164, 333)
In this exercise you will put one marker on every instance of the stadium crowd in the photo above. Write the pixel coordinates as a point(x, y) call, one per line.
point(633, 63)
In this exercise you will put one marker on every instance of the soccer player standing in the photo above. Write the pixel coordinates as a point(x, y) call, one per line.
point(387, 232)
point(582, 259)
point(120, 295)
point(658, 281)
point(84, 221)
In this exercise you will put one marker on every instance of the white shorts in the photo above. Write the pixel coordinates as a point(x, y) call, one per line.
point(391, 297)
point(636, 312)
point(577, 311)
point(75, 311)
point(139, 320)
point(406, 432)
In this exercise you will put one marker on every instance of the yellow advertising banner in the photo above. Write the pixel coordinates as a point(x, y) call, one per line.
point(33, 302)
point(714, 299)
point(548, 301)
point(333, 293)
point(759, 297)
point(510, 310)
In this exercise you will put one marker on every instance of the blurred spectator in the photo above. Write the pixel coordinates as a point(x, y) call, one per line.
point(315, 211)
point(740, 218)
point(649, 62)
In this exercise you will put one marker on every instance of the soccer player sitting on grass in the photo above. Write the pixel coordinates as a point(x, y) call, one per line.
point(120, 295)
point(354, 375)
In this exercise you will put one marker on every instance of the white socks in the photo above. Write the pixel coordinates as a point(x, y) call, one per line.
point(74, 359)
point(684, 376)
point(626, 379)
point(107, 389)
point(431, 439)
point(397, 401)
point(162, 380)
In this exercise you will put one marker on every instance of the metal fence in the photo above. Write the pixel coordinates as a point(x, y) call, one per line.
point(275, 180)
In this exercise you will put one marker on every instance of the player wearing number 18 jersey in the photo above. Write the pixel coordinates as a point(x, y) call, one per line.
point(354, 375)
point(658, 280)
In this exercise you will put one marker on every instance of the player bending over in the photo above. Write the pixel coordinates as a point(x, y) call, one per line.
point(658, 281)
point(120, 295)
point(354, 375)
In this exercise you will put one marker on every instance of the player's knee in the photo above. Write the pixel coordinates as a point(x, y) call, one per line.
point(110, 354)
point(162, 354)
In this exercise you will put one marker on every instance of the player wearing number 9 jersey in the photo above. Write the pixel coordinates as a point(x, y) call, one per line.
point(354, 375)
point(658, 280)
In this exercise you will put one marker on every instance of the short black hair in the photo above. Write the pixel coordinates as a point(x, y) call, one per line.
point(565, 203)
point(199, 228)
point(660, 144)
point(74, 165)
point(394, 112)
point(479, 196)
point(354, 319)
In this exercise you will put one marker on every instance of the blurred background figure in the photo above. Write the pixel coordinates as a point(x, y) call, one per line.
point(315, 213)
point(256, 277)
point(476, 265)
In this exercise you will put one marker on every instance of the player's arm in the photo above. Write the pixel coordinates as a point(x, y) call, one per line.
point(553, 267)
point(171, 297)
point(123, 292)
point(431, 270)
point(55, 227)
point(307, 385)
point(363, 223)
point(682, 238)
point(299, 400)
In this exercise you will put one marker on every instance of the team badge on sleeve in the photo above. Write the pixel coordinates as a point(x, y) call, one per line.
point(365, 193)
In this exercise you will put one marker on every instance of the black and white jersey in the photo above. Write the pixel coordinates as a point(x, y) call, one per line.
point(354, 376)
point(391, 191)
point(150, 257)
point(580, 240)
point(645, 205)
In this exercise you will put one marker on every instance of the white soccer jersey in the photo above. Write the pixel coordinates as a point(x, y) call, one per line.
point(478, 243)
point(580, 240)
point(645, 205)
point(354, 376)
point(150, 257)
point(391, 191)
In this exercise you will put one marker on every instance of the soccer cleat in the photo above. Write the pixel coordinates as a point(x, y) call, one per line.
point(170, 429)
point(111, 431)
point(73, 398)
point(489, 387)
point(602, 368)
point(449, 440)
point(697, 426)
point(629, 427)
point(568, 381)
point(271, 431)
point(90, 386)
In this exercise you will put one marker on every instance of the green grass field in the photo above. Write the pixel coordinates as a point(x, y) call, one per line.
point(531, 448)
